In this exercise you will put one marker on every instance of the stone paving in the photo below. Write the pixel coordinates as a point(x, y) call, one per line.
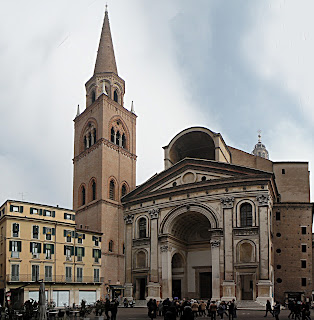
point(141, 313)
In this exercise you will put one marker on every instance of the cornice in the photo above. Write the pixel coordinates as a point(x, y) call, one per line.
point(95, 203)
point(108, 144)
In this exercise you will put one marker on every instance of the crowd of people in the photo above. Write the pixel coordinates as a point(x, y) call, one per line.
point(191, 309)
point(110, 308)
point(299, 310)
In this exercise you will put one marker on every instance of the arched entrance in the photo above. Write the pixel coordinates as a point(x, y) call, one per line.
point(189, 230)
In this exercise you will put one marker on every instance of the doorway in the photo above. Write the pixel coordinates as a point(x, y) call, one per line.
point(142, 282)
point(247, 287)
point(176, 289)
point(205, 285)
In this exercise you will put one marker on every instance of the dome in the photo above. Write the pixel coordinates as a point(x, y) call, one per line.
point(260, 149)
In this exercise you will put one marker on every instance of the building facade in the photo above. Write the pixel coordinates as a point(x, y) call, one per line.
point(105, 160)
point(42, 243)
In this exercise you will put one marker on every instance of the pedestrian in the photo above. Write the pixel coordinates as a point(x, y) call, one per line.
point(277, 310)
point(231, 310)
point(213, 310)
point(194, 307)
point(160, 308)
point(187, 313)
point(114, 309)
point(152, 308)
point(202, 308)
point(171, 313)
point(268, 308)
point(291, 307)
point(107, 308)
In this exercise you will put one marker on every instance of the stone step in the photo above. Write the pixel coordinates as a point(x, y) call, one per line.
point(249, 305)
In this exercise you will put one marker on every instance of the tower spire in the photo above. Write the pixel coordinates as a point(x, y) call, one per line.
point(105, 61)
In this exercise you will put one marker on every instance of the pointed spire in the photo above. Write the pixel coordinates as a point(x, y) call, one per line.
point(132, 107)
point(78, 110)
point(105, 61)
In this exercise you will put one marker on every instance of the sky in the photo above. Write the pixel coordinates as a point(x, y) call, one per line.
point(232, 66)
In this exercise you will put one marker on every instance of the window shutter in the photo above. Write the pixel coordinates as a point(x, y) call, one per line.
point(10, 246)
point(99, 253)
point(83, 235)
point(65, 233)
point(83, 252)
point(76, 235)
point(11, 208)
point(31, 246)
point(40, 212)
point(53, 231)
point(19, 246)
point(31, 210)
point(21, 209)
point(65, 215)
point(73, 234)
point(93, 253)
point(44, 248)
point(53, 214)
point(44, 230)
point(93, 238)
point(73, 217)
point(39, 247)
point(65, 250)
point(17, 227)
point(52, 248)
point(44, 213)
point(75, 251)
point(99, 239)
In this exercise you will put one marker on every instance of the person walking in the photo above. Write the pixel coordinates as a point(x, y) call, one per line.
point(212, 310)
point(152, 308)
point(268, 308)
point(277, 310)
point(187, 314)
point(231, 310)
point(291, 307)
point(107, 308)
point(114, 309)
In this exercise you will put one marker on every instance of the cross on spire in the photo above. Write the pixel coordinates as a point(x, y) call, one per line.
point(259, 135)
point(106, 7)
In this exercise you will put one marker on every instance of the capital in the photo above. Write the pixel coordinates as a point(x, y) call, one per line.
point(215, 243)
point(154, 213)
point(262, 200)
point(129, 218)
point(165, 248)
point(227, 202)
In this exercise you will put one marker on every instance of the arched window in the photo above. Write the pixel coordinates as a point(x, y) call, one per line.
point(123, 190)
point(110, 246)
point(118, 138)
point(115, 96)
point(90, 139)
point(112, 139)
point(123, 141)
point(246, 215)
point(94, 190)
point(85, 143)
point(111, 190)
point(95, 136)
point(142, 228)
point(83, 194)
point(93, 96)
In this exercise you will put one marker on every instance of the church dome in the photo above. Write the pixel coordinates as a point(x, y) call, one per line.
point(260, 149)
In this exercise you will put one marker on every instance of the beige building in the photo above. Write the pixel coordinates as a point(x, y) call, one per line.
point(42, 243)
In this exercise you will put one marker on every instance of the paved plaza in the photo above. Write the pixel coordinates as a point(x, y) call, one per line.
point(141, 313)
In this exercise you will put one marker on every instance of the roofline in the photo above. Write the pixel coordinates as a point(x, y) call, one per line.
point(36, 204)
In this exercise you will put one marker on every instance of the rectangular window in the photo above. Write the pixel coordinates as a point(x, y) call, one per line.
point(49, 232)
point(68, 252)
point(303, 282)
point(49, 251)
point(278, 215)
point(48, 273)
point(96, 254)
point(79, 274)
point(303, 230)
point(283, 171)
point(35, 232)
point(68, 274)
point(96, 275)
point(34, 211)
point(15, 230)
point(14, 208)
point(69, 216)
point(35, 248)
point(15, 247)
point(303, 246)
point(96, 240)
point(80, 253)
point(15, 272)
point(49, 213)
point(35, 272)
point(80, 237)
point(303, 263)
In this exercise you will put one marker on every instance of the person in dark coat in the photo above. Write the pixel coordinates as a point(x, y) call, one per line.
point(291, 307)
point(152, 308)
point(114, 309)
point(171, 314)
point(231, 310)
point(187, 313)
point(268, 308)
point(107, 308)
point(166, 305)
point(277, 310)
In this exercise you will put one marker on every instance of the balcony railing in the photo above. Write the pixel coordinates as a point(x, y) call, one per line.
point(57, 279)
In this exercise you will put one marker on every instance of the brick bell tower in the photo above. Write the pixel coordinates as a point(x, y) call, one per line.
point(104, 160)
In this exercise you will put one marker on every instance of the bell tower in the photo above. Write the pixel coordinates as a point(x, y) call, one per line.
point(104, 159)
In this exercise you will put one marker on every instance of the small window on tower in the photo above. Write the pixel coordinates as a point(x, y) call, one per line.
point(123, 190)
point(123, 141)
point(95, 136)
point(93, 96)
point(85, 143)
point(112, 138)
point(111, 190)
point(118, 138)
point(83, 196)
point(94, 190)
point(115, 96)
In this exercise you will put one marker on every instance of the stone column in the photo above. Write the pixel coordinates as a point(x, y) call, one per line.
point(128, 293)
point(215, 244)
point(153, 287)
point(166, 271)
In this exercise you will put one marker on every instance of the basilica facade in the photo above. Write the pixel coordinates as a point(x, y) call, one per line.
point(217, 222)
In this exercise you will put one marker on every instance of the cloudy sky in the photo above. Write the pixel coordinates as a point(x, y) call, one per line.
point(232, 66)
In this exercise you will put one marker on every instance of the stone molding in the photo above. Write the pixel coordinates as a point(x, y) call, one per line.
point(227, 202)
point(215, 243)
point(129, 219)
point(262, 200)
point(246, 231)
point(154, 213)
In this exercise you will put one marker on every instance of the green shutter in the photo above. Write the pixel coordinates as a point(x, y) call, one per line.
point(31, 210)
point(64, 216)
point(99, 253)
point(73, 217)
point(10, 246)
point(76, 235)
point(75, 251)
point(21, 209)
point(83, 235)
point(31, 246)
point(53, 232)
point(19, 246)
point(39, 247)
point(99, 239)
point(93, 253)
point(73, 234)
point(40, 212)
point(44, 230)
point(44, 248)
point(83, 252)
point(11, 208)
point(72, 251)
point(65, 250)
point(53, 214)
point(93, 238)
point(52, 248)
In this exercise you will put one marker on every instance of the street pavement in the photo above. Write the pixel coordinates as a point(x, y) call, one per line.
point(141, 313)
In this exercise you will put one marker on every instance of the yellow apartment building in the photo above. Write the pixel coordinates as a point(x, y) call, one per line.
point(42, 243)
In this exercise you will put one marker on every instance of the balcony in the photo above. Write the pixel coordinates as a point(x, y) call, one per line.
point(55, 279)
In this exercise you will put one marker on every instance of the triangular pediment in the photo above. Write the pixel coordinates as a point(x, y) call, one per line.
point(193, 173)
